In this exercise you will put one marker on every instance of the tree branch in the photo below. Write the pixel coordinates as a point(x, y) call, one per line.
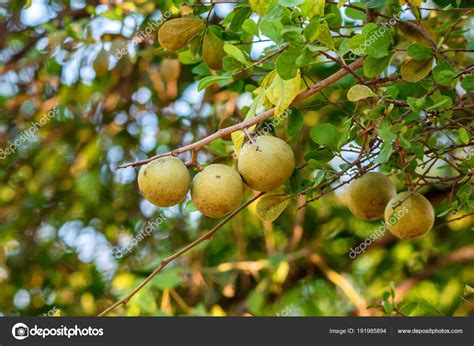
point(253, 121)
point(166, 261)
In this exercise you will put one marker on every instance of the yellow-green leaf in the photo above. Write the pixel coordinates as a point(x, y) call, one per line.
point(259, 101)
point(238, 136)
point(259, 6)
point(413, 2)
point(282, 92)
point(213, 50)
point(310, 8)
point(270, 206)
point(415, 70)
point(176, 33)
point(468, 290)
point(359, 92)
point(340, 3)
point(324, 35)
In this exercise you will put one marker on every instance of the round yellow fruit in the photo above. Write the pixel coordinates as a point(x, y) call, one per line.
point(368, 195)
point(217, 190)
point(266, 164)
point(409, 215)
point(165, 181)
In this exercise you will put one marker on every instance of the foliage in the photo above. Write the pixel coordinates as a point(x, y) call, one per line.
point(132, 79)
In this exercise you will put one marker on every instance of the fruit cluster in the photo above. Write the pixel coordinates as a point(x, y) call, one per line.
point(264, 165)
point(373, 196)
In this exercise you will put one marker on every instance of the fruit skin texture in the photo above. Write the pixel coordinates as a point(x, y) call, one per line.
point(414, 215)
point(165, 181)
point(217, 190)
point(368, 195)
point(267, 163)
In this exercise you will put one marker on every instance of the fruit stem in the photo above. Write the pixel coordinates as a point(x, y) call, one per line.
point(249, 136)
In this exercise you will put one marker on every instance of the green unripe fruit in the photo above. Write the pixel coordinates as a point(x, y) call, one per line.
point(409, 215)
point(217, 190)
point(266, 164)
point(165, 181)
point(368, 195)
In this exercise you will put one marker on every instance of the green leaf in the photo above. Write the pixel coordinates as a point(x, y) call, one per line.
point(415, 70)
point(282, 92)
point(443, 74)
point(404, 143)
point(375, 66)
point(271, 29)
point(468, 82)
point(187, 58)
point(295, 122)
point(292, 36)
point(318, 179)
point(440, 101)
point(326, 135)
point(419, 52)
point(345, 134)
point(444, 77)
point(359, 92)
point(464, 136)
point(305, 58)
point(377, 40)
point(320, 155)
point(207, 81)
point(387, 307)
point(270, 206)
point(285, 63)
point(311, 30)
point(28, 4)
point(356, 14)
point(357, 44)
point(250, 26)
point(415, 104)
point(212, 50)
point(324, 35)
point(240, 15)
point(385, 153)
point(236, 53)
point(230, 64)
point(385, 132)
point(176, 33)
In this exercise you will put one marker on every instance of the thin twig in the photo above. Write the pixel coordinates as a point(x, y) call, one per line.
point(166, 261)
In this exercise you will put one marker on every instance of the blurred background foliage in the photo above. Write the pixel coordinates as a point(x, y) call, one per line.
point(65, 209)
